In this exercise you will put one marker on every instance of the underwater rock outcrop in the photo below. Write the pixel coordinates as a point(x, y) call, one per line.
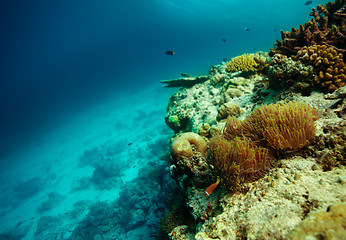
point(279, 158)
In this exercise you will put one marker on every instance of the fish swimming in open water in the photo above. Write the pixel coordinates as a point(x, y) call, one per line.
point(307, 3)
point(168, 52)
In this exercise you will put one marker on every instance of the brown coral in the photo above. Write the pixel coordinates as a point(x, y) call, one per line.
point(228, 109)
point(281, 127)
point(182, 145)
point(245, 63)
point(328, 64)
point(326, 27)
point(239, 161)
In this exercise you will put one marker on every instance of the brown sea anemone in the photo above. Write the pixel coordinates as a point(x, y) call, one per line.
point(239, 160)
point(281, 127)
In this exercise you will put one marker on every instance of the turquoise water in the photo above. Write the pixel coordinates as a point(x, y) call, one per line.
point(83, 143)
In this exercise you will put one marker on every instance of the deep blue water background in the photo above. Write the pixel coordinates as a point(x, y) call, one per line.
point(60, 56)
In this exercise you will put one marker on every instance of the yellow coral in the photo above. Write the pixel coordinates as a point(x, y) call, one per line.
point(328, 64)
point(182, 145)
point(245, 63)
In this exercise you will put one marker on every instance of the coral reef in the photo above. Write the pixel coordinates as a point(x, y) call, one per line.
point(188, 152)
point(182, 145)
point(229, 94)
point(328, 64)
point(192, 108)
point(279, 155)
point(228, 109)
point(218, 79)
point(285, 73)
point(245, 63)
point(239, 160)
point(323, 225)
point(276, 204)
point(204, 130)
point(326, 27)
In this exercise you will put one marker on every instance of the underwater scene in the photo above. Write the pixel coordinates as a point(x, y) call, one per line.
point(173, 119)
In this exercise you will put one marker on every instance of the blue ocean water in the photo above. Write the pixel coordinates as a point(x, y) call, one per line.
point(83, 143)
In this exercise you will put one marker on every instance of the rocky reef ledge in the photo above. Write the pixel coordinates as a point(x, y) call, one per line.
point(259, 149)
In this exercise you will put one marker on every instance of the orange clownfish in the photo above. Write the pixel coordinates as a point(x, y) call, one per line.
point(211, 188)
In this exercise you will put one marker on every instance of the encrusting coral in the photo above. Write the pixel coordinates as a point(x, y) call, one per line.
point(182, 145)
point(245, 63)
point(239, 160)
point(281, 127)
point(328, 64)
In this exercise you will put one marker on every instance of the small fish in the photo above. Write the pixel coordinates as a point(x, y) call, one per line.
point(224, 40)
point(246, 29)
point(129, 144)
point(168, 52)
point(307, 3)
point(209, 191)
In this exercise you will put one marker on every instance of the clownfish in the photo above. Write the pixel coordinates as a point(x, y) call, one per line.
point(209, 191)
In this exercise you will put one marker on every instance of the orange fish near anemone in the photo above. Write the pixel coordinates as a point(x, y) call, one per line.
point(209, 191)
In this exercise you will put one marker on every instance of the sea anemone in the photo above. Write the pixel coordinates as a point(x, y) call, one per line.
point(239, 160)
point(281, 127)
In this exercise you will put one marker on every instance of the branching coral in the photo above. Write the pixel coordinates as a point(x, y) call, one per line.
point(327, 26)
point(281, 127)
point(245, 63)
point(328, 64)
point(182, 145)
point(239, 160)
